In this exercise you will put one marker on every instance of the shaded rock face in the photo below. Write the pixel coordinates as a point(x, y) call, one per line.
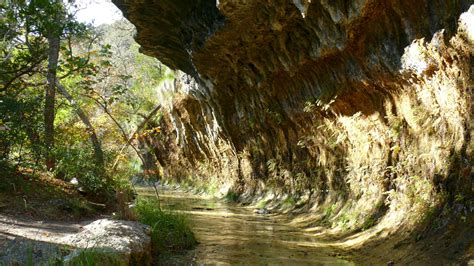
point(362, 106)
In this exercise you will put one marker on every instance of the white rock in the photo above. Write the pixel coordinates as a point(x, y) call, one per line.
point(127, 241)
point(74, 181)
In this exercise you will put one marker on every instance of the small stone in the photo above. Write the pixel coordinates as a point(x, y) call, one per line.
point(262, 211)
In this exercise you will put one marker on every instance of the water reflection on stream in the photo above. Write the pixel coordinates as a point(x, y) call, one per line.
point(231, 234)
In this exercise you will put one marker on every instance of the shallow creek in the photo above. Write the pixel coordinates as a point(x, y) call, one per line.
point(232, 234)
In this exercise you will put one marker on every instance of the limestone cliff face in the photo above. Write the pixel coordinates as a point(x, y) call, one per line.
point(360, 110)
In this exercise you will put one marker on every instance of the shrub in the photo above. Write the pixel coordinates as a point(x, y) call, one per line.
point(231, 196)
point(169, 231)
point(77, 162)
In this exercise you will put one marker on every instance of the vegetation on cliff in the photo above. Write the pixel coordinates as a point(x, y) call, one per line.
point(357, 114)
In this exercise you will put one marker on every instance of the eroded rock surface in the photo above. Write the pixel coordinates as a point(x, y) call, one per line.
point(361, 107)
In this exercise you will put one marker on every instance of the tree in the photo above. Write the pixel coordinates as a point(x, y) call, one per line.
point(99, 154)
point(108, 88)
point(43, 24)
point(50, 94)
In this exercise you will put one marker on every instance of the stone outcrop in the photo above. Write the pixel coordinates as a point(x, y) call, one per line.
point(111, 242)
point(362, 108)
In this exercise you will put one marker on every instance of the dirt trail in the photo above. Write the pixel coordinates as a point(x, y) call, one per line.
point(24, 240)
point(38, 230)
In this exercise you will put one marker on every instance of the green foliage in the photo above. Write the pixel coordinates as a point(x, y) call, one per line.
point(274, 116)
point(329, 211)
point(272, 165)
point(92, 257)
point(107, 78)
point(77, 163)
point(29, 258)
point(170, 231)
point(459, 197)
point(261, 203)
point(370, 222)
point(231, 196)
point(344, 221)
point(288, 202)
point(16, 136)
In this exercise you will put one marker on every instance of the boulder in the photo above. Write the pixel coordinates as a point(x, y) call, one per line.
point(106, 241)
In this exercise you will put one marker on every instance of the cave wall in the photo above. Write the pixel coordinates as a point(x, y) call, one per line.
point(359, 109)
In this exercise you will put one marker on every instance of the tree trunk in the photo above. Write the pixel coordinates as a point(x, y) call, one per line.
point(50, 99)
point(98, 153)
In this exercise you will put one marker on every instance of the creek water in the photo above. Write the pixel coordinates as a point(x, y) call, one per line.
point(233, 234)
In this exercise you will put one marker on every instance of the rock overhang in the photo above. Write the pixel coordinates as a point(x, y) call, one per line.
point(254, 45)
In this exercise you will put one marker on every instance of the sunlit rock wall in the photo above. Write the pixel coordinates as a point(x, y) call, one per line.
point(360, 110)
